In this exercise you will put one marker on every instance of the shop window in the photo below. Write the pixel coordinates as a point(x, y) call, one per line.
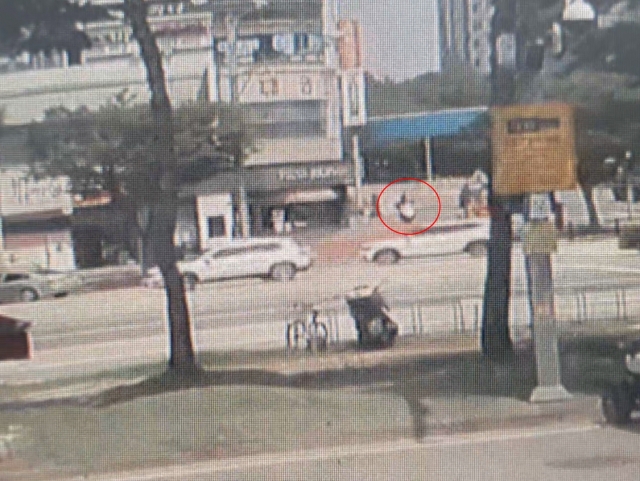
point(216, 226)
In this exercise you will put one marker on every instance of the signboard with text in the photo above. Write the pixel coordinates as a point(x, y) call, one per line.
point(21, 194)
point(296, 176)
point(277, 86)
point(533, 148)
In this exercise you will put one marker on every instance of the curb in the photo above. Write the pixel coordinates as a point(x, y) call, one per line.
point(578, 410)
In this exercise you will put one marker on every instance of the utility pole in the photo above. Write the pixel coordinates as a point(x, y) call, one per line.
point(628, 156)
point(495, 338)
point(240, 194)
point(357, 170)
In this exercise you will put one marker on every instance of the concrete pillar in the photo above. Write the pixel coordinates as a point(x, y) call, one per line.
point(540, 242)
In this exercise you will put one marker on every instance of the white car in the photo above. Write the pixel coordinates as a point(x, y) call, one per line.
point(443, 238)
point(29, 286)
point(278, 258)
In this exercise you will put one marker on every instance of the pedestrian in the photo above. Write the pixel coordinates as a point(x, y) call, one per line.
point(406, 209)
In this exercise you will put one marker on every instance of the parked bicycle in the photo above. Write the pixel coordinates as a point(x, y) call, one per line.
point(366, 306)
point(306, 331)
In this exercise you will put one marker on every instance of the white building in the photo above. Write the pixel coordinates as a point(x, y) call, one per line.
point(465, 32)
point(35, 225)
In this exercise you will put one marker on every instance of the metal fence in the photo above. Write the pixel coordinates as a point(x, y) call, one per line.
point(463, 313)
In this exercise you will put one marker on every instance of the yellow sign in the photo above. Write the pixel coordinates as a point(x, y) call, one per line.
point(540, 238)
point(533, 148)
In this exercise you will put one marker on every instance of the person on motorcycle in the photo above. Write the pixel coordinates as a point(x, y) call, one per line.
point(406, 209)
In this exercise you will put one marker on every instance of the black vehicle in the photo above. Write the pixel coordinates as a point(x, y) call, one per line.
point(622, 399)
point(370, 312)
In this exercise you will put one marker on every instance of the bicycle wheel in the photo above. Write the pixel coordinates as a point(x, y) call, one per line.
point(296, 335)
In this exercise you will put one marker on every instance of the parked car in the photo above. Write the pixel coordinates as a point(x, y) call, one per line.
point(278, 258)
point(27, 286)
point(443, 238)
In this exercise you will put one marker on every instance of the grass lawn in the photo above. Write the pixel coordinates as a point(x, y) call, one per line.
point(247, 403)
point(199, 423)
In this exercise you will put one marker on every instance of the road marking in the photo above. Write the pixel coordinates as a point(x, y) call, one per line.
point(404, 445)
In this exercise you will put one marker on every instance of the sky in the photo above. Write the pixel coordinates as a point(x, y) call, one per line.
point(400, 36)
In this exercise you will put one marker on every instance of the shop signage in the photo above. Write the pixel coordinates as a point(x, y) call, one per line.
point(276, 178)
point(289, 86)
point(20, 194)
point(315, 175)
point(311, 174)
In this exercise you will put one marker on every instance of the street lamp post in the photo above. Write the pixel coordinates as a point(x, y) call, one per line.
point(628, 156)
point(231, 24)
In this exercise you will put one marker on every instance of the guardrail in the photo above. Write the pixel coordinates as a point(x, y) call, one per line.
point(463, 314)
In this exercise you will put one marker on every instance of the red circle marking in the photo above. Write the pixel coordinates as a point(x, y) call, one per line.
point(404, 179)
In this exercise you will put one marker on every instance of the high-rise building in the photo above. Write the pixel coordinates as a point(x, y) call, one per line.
point(465, 32)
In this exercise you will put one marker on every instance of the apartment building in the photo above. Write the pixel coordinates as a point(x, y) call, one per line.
point(465, 32)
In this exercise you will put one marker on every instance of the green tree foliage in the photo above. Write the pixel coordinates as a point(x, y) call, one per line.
point(112, 149)
point(457, 86)
point(35, 25)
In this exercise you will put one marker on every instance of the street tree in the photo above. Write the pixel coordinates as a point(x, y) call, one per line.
point(44, 25)
point(110, 151)
point(40, 19)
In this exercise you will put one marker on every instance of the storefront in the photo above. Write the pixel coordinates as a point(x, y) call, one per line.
point(280, 198)
point(42, 240)
point(286, 197)
point(36, 228)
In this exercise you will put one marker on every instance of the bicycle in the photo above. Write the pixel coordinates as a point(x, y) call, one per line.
point(306, 331)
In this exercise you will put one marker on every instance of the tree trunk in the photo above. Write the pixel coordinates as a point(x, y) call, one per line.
point(495, 337)
point(164, 191)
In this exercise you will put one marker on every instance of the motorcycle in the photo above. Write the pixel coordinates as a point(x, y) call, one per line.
point(621, 400)
point(371, 314)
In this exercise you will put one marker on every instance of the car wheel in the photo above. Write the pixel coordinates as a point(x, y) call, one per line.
point(28, 295)
point(284, 271)
point(477, 249)
point(190, 281)
point(616, 405)
point(386, 257)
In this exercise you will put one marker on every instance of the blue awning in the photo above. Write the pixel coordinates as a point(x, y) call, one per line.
point(381, 131)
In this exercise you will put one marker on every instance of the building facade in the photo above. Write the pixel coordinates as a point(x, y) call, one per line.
point(465, 32)
point(35, 221)
point(294, 69)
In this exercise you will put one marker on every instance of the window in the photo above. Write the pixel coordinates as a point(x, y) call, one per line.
point(232, 251)
point(216, 226)
point(265, 248)
point(15, 277)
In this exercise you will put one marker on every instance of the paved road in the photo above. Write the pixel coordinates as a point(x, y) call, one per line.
point(559, 453)
point(105, 316)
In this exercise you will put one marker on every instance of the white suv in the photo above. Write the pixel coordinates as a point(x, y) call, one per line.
point(278, 258)
point(443, 238)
